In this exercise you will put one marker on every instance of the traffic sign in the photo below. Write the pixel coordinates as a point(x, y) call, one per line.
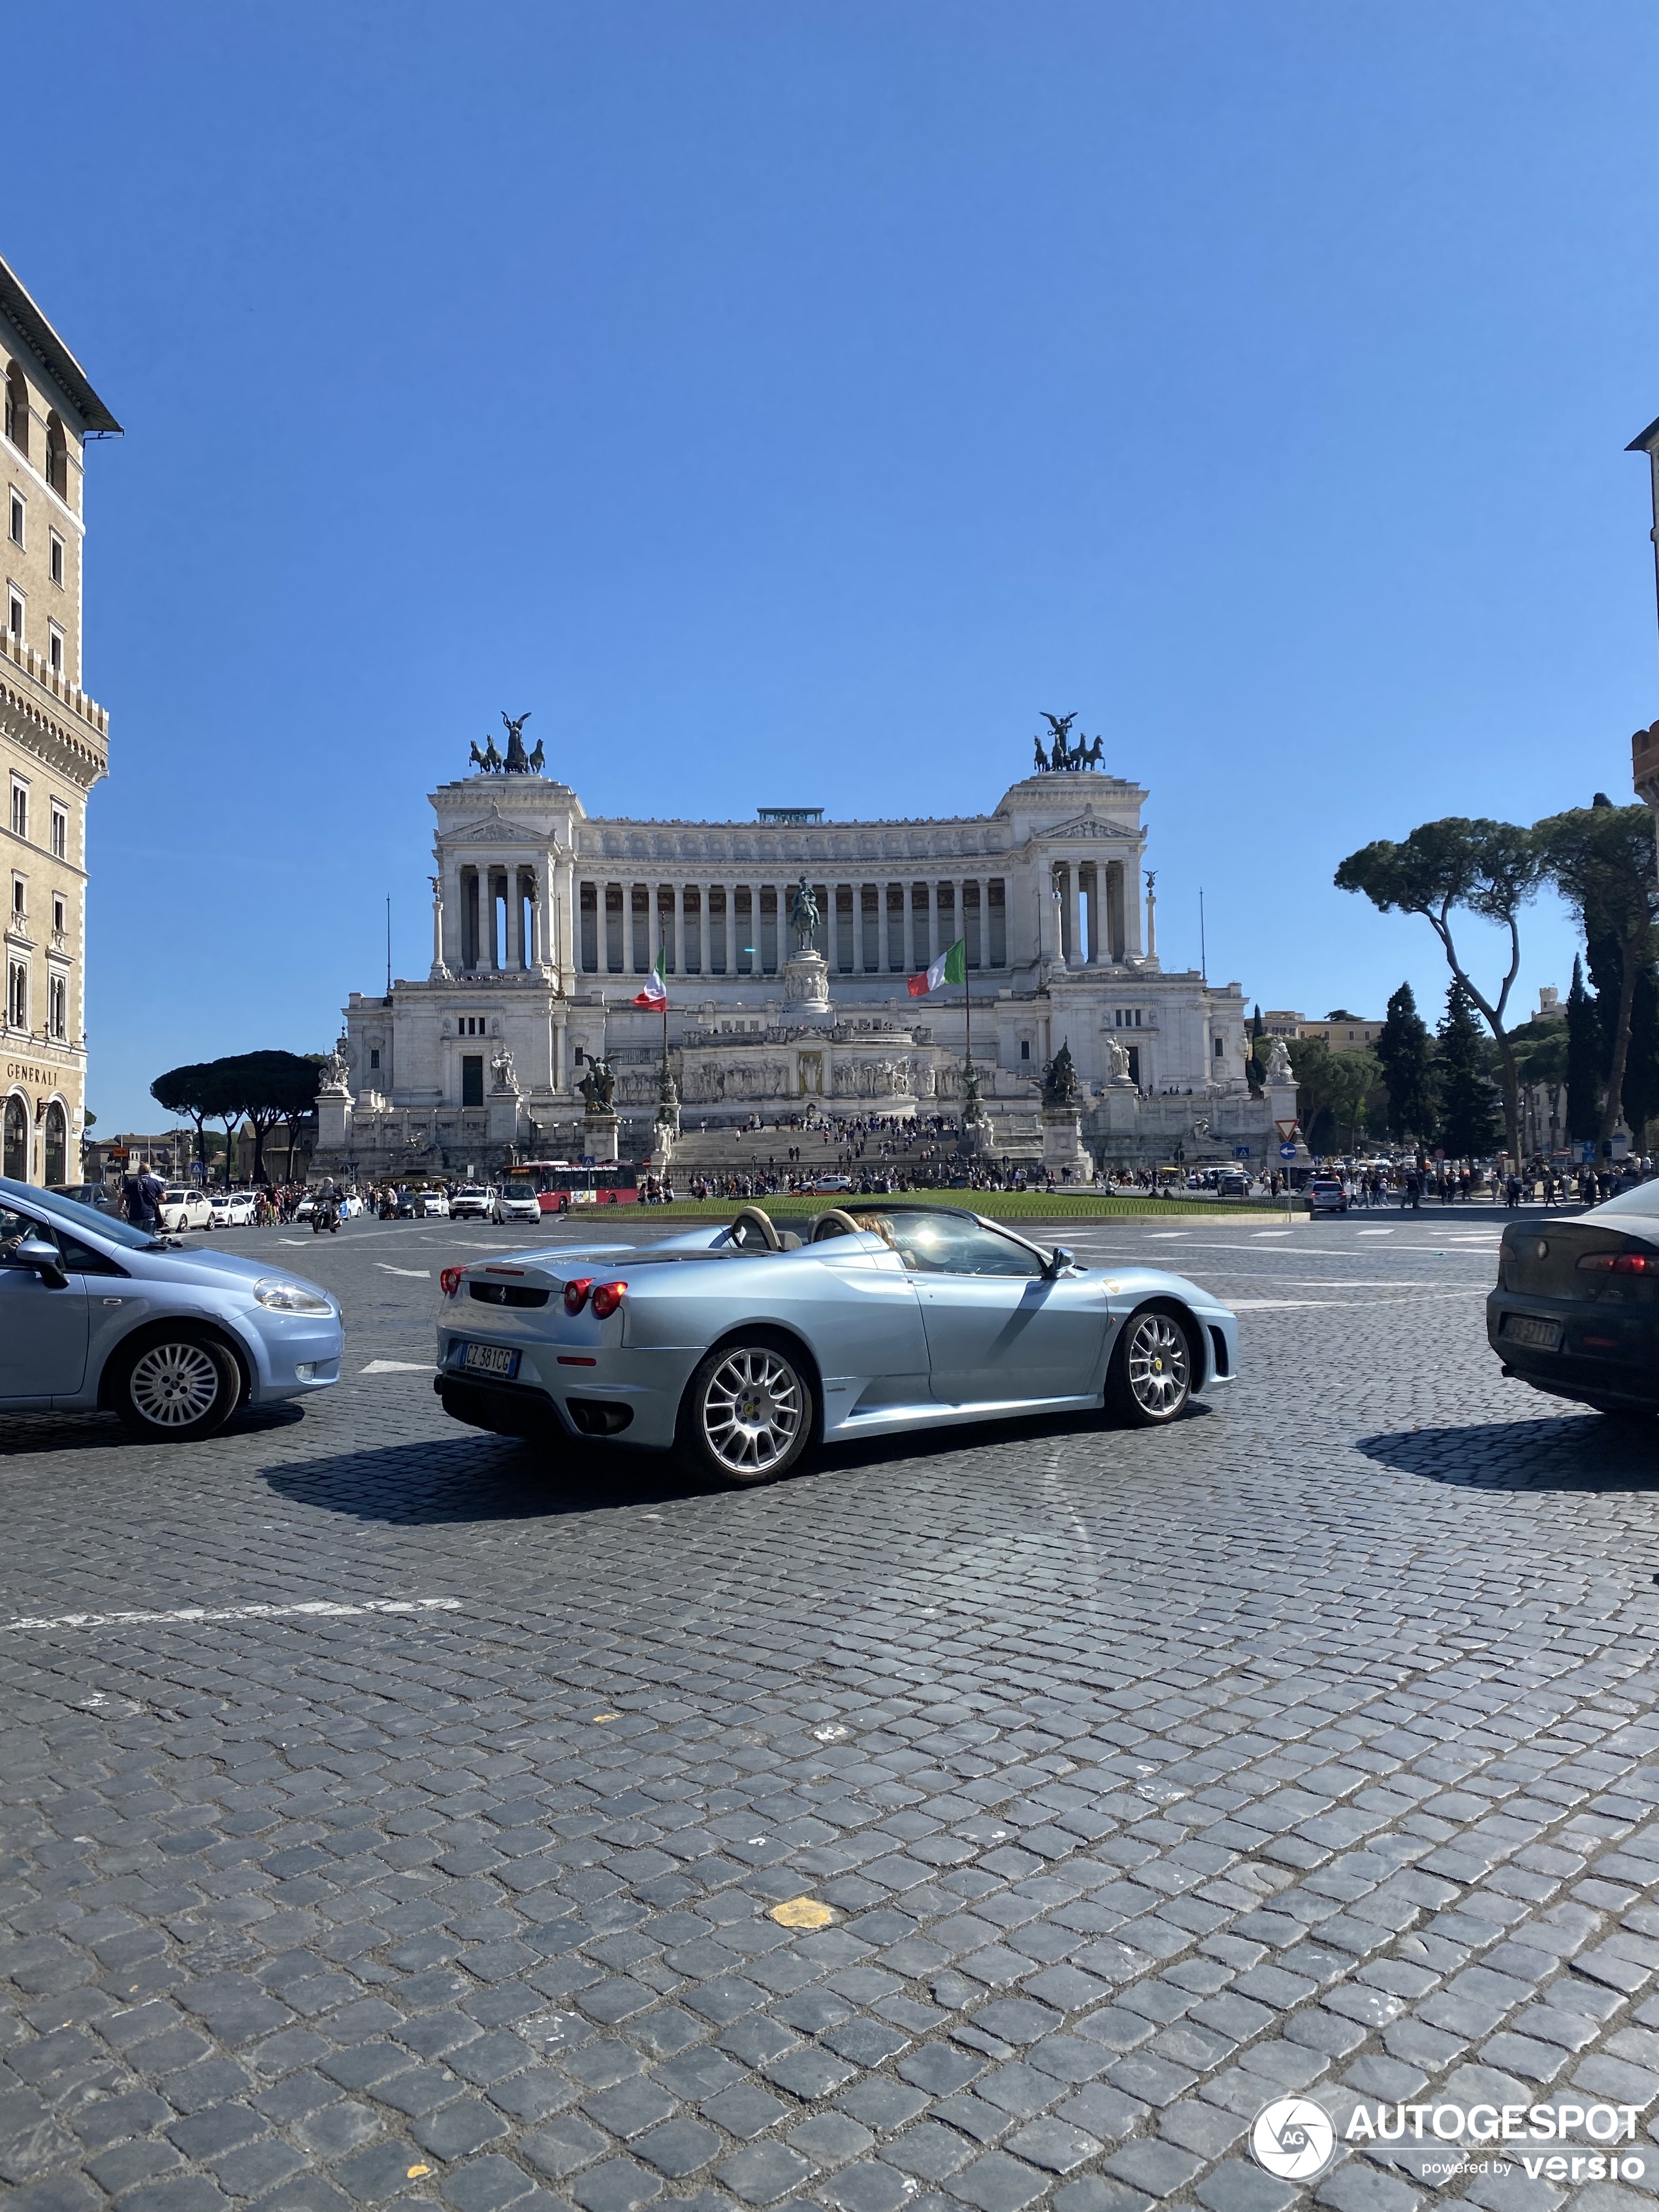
point(1286, 1129)
point(1287, 1151)
point(1240, 1151)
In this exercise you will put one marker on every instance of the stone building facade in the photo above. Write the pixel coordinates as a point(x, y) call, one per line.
point(546, 922)
point(54, 742)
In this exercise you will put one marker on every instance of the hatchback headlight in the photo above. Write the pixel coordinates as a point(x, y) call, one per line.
point(288, 1297)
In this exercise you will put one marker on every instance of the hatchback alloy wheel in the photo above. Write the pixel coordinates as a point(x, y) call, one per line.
point(179, 1388)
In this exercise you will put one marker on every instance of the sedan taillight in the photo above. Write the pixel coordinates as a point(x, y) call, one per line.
point(449, 1281)
point(607, 1299)
point(575, 1293)
point(1619, 1263)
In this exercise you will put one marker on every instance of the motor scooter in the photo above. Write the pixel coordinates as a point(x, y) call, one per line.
point(325, 1214)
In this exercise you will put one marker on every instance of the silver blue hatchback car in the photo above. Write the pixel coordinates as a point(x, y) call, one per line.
point(98, 1316)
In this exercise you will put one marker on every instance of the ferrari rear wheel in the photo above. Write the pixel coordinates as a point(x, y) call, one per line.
point(749, 1412)
point(1151, 1377)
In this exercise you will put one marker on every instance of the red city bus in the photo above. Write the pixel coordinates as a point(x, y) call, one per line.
point(558, 1185)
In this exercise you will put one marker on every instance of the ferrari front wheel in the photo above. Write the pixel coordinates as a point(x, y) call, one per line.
point(1151, 1377)
point(749, 1412)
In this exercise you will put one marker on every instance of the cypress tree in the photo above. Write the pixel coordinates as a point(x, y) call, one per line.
point(1407, 1054)
point(1639, 1099)
point(1584, 1059)
point(1641, 1094)
point(1468, 1120)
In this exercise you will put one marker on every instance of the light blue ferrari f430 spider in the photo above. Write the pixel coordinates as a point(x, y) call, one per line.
point(740, 1347)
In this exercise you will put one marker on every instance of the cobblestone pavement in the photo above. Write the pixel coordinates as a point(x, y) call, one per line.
point(1310, 1745)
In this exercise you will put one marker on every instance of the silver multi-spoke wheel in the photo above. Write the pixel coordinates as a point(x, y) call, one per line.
point(1152, 1369)
point(174, 1384)
point(182, 1387)
point(752, 1412)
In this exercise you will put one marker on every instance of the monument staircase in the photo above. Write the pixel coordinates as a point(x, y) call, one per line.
point(829, 1152)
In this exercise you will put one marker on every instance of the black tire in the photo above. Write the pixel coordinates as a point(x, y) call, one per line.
point(749, 1412)
point(1151, 1376)
point(176, 1385)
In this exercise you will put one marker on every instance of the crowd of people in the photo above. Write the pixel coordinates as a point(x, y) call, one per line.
point(922, 1155)
point(1451, 1183)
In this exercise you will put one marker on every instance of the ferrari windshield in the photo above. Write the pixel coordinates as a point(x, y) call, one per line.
point(947, 1243)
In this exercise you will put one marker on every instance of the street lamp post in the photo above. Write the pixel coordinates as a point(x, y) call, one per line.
point(1648, 443)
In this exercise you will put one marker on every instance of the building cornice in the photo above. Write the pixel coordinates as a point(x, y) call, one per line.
point(50, 717)
point(52, 353)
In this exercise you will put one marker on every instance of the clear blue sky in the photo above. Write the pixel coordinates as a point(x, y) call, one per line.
point(786, 404)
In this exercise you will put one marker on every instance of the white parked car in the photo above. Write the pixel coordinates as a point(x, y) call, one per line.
point(472, 1202)
point(305, 1209)
point(516, 1205)
point(434, 1205)
point(183, 1209)
point(231, 1209)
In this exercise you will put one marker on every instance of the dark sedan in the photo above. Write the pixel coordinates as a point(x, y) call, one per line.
point(1576, 1311)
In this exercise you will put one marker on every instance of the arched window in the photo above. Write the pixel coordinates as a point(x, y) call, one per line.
point(56, 456)
point(17, 407)
point(15, 1152)
point(56, 1143)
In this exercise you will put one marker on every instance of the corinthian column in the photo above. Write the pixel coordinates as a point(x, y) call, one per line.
point(439, 974)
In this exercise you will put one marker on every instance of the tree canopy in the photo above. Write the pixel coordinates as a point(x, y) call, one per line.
point(261, 1087)
point(1332, 1088)
point(1600, 859)
point(1485, 868)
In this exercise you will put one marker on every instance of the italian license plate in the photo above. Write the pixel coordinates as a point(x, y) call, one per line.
point(1527, 1329)
point(491, 1359)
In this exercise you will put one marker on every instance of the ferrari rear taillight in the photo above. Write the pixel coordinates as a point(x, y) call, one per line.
point(575, 1293)
point(449, 1281)
point(607, 1299)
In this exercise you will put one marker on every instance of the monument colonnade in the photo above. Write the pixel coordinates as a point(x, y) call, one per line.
point(736, 924)
point(502, 915)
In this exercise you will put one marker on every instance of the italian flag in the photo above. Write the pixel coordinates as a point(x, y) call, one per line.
point(655, 993)
point(950, 967)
